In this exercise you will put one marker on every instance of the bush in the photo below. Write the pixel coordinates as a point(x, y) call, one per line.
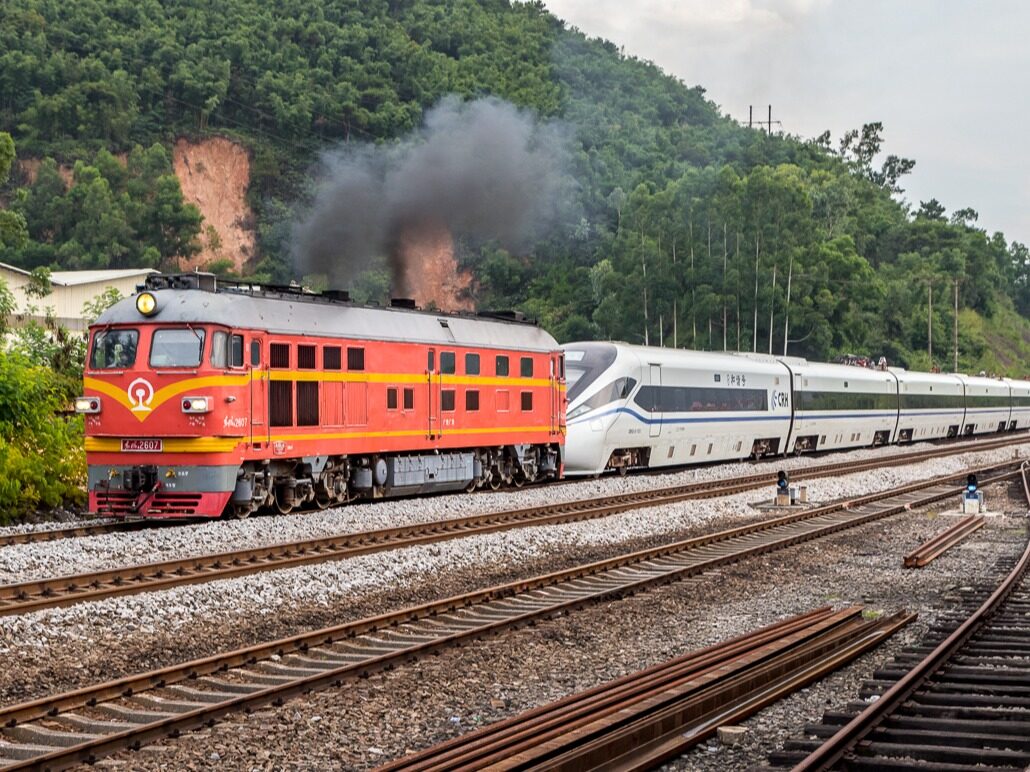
point(42, 461)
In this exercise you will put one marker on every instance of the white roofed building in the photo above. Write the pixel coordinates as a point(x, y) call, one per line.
point(71, 290)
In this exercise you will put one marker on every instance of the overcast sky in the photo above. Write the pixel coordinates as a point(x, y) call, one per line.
point(949, 80)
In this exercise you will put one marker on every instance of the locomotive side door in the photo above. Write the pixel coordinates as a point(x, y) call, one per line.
point(258, 367)
point(432, 396)
point(656, 411)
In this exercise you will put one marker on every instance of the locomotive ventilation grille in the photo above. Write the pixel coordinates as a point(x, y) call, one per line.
point(120, 503)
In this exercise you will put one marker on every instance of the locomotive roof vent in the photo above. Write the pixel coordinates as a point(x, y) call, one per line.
point(408, 303)
point(339, 295)
point(512, 316)
point(197, 281)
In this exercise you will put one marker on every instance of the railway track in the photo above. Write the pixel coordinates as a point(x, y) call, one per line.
point(118, 526)
point(961, 699)
point(25, 597)
point(654, 715)
point(82, 725)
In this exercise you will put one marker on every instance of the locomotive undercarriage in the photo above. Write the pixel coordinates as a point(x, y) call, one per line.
point(325, 481)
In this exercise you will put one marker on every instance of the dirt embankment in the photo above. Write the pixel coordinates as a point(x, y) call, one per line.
point(214, 174)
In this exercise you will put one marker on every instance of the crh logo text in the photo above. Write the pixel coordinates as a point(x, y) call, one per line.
point(141, 394)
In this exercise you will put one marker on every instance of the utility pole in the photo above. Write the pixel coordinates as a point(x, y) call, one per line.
point(725, 258)
point(675, 314)
point(929, 321)
point(772, 307)
point(754, 336)
point(770, 120)
point(768, 123)
point(786, 313)
point(956, 328)
point(643, 267)
point(736, 261)
point(661, 330)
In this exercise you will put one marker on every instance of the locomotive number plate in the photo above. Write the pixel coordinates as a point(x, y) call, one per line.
point(142, 446)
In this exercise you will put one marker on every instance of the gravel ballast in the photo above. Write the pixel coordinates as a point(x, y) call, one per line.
point(66, 647)
point(364, 723)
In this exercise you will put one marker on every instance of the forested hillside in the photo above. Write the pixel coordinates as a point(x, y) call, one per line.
point(679, 224)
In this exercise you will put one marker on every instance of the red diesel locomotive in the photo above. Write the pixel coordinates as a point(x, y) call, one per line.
point(205, 398)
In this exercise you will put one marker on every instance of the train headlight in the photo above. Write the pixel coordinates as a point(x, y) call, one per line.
point(87, 404)
point(196, 404)
point(146, 303)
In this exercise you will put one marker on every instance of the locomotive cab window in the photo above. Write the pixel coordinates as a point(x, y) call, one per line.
point(447, 362)
point(355, 358)
point(177, 347)
point(226, 350)
point(502, 366)
point(113, 349)
point(255, 353)
point(526, 367)
point(472, 364)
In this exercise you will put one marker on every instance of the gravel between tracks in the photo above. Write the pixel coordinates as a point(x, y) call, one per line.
point(365, 723)
point(25, 562)
point(67, 647)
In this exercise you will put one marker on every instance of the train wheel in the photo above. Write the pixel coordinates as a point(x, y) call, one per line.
point(283, 509)
point(240, 512)
point(495, 481)
point(323, 500)
point(518, 480)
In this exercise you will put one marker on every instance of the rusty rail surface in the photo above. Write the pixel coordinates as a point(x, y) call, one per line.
point(84, 724)
point(942, 542)
point(950, 447)
point(962, 705)
point(1025, 472)
point(642, 720)
point(34, 595)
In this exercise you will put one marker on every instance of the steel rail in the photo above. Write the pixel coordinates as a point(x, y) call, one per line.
point(1025, 471)
point(755, 480)
point(932, 549)
point(842, 742)
point(636, 721)
point(34, 595)
point(272, 671)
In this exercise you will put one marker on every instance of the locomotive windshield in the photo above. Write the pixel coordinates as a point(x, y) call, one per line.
point(584, 364)
point(179, 347)
point(113, 349)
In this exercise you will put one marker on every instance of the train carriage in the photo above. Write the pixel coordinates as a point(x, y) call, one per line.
point(203, 399)
point(639, 407)
point(932, 405)
point(988, 404)
point(842, 406)
point(1020, 403)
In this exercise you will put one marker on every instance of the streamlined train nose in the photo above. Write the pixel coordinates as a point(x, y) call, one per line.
point(585, 446)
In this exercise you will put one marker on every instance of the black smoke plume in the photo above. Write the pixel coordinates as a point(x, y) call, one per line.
point(485, 170)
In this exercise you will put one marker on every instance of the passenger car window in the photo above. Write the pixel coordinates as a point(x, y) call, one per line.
point(113, 349)
point(178, 347)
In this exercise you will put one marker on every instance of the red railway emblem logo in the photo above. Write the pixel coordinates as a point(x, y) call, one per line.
point(141, 394)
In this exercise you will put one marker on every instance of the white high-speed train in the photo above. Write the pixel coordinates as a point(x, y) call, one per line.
point(633, 407)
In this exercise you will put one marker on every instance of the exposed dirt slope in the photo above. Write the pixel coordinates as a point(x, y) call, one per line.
point(214, 174)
